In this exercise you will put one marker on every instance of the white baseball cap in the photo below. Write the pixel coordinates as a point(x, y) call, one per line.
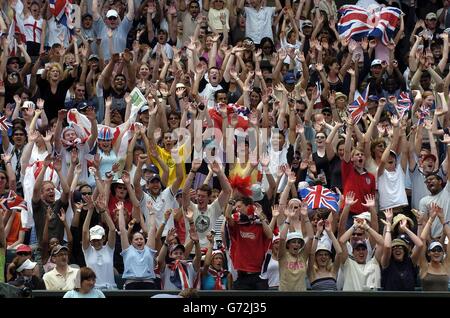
point(112, 13)
point(96, 233)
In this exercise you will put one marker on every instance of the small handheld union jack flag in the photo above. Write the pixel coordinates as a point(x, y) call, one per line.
point(4, 123)
point(403, 104)
point(320, 197)
point(424, 112)
point(359, 105)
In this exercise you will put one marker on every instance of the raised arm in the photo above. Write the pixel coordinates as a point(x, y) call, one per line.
point(123, 231)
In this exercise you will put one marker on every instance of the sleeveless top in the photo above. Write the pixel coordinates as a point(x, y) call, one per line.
point(435, 282)
point(399, 275)
point(324, 283)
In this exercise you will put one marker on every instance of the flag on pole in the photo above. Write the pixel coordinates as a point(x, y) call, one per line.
point(403, 104)
point(359, 105)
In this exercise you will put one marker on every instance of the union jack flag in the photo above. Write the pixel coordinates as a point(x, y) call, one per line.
point(4, 123)
point(403, 104)
point(424, 112)
point(357, 22)
point(358, 106)
point(320, 197)
point(62, 11)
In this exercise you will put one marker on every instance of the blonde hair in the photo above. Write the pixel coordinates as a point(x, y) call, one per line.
point(52, 66)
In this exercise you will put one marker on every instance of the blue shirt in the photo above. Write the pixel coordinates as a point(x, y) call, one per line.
point(138, 264)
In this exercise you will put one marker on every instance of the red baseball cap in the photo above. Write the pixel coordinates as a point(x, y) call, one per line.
point(23, 248)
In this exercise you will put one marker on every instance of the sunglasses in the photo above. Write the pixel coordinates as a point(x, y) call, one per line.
point(86, 193)
point(112, 18)
point(357, 234)
point(437, 250)
point(23, 253)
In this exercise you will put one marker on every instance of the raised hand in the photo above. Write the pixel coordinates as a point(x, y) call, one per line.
point(389, 214)
point(62, 215)
point(125, 177)
point(320, 226)
point(275, 211)
point(189, 214)
point(403, 226)
point(350, 198)
point(57, 163)
point(167, 214)
point(370, 201)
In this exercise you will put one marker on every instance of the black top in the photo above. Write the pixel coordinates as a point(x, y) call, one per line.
point(322, 163)
point(55, 226)
point(399, 276)
point(54, 102)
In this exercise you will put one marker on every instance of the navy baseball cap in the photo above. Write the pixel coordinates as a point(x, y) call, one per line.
point(289, 78)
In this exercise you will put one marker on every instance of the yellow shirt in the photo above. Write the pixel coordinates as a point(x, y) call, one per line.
point(238, 170)
point(55, 281)
point(166, 156)
point(293, 271)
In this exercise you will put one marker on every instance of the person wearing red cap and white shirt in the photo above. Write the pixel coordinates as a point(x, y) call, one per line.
point(113, 24)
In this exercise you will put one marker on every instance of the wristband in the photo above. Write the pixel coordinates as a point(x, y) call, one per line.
point(316, 238)
point(191, 222)
point(286, 222)
point(164, 223)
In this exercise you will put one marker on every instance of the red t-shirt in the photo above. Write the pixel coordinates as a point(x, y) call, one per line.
point(360, 184)
point(112, 206)
point(248, 247)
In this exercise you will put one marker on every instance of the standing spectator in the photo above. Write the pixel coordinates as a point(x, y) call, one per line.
point(250, 237)
point(99, 256)
point(294, 249)
point(138, 257)
point(258, 19)
point(322, 271)
point(361, 274)
point(439, 195)
point(398, 266)
point(112, 24)
point(355, 178)
point(434, 272)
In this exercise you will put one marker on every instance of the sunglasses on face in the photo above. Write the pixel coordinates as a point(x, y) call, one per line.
point(112, 18)
point(23, 253)
point(86, 193)
point(437, 250)
point(357, 234)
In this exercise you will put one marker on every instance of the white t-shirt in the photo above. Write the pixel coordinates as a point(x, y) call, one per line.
point(163, 202)
point(442, 199)
point(258, 24)
point(205, 220)
point(391, 187)
point(361, 277)
point(101, 262)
